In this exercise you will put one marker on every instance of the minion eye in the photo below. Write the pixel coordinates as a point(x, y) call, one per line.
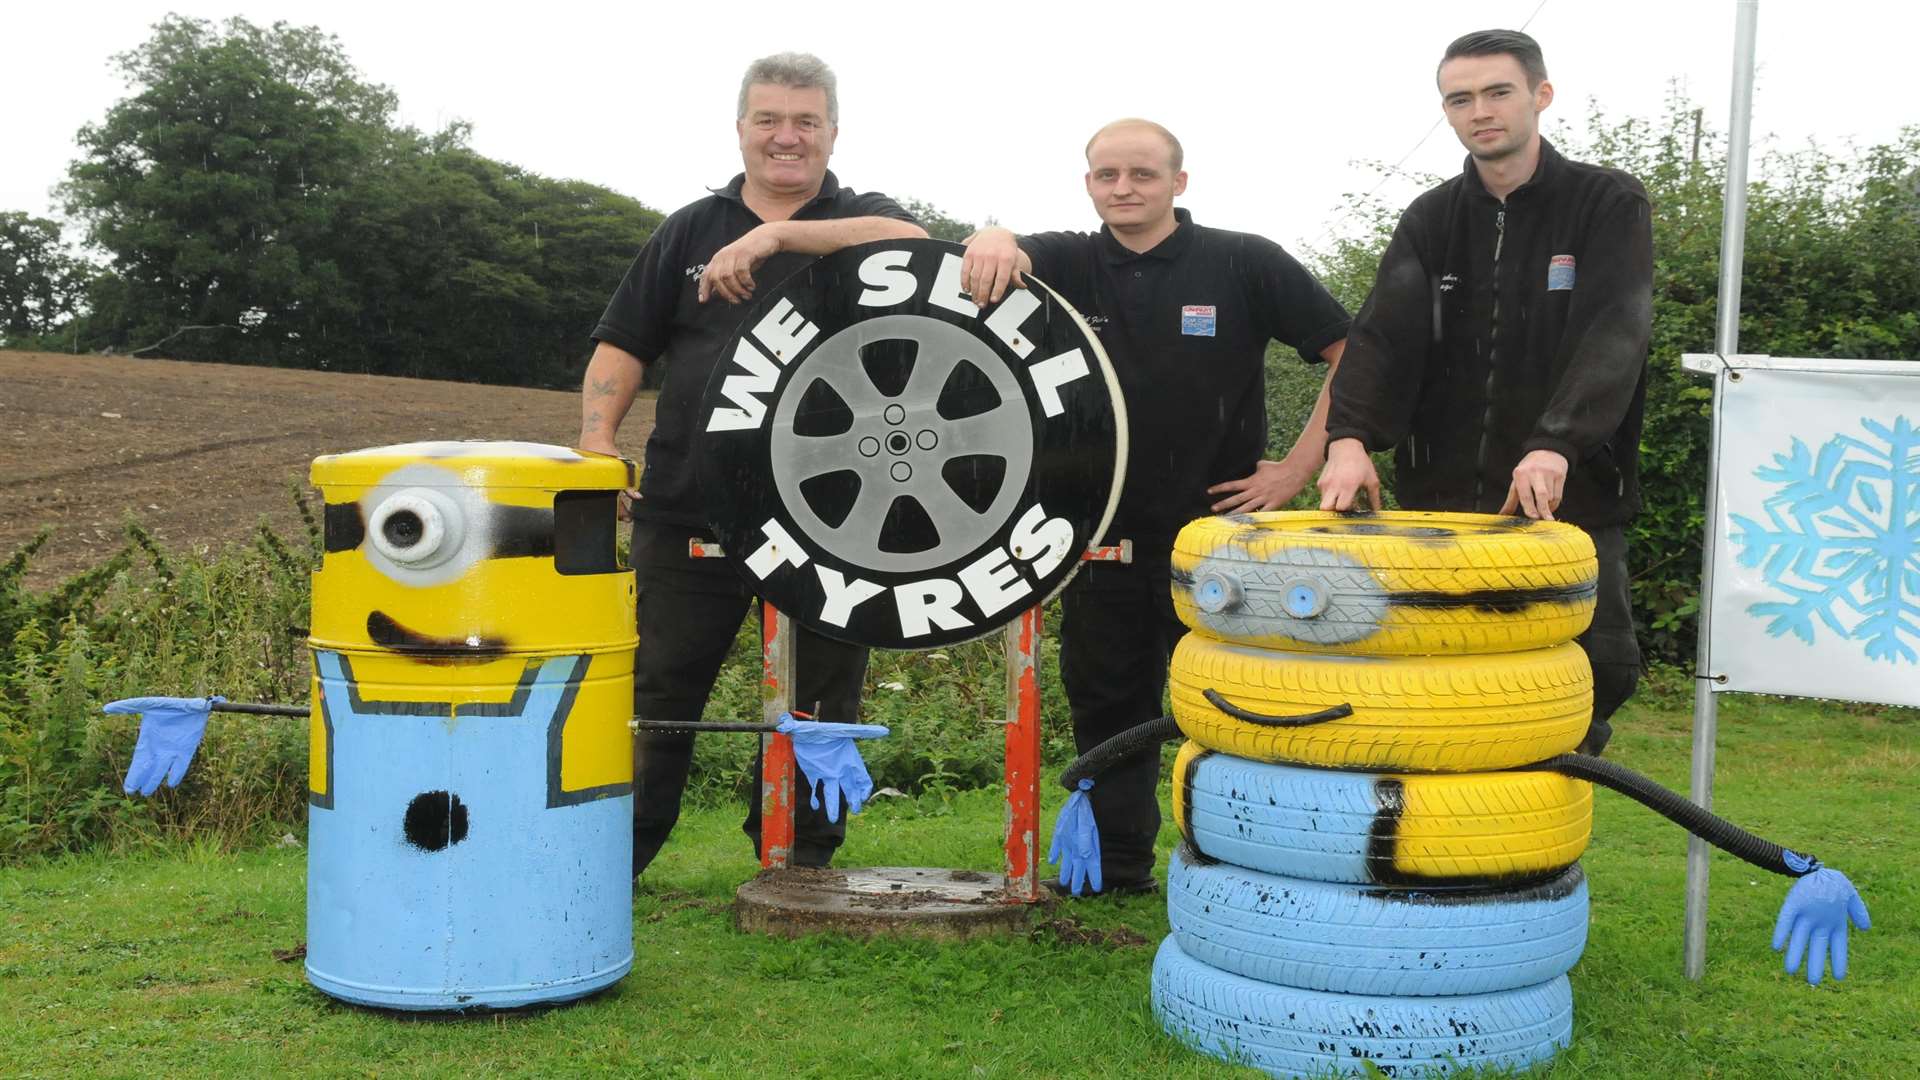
point(404, 528)
point(417, 529)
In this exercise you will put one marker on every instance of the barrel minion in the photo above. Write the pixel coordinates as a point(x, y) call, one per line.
point(471, 781)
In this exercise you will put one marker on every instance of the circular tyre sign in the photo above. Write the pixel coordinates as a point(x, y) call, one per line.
point(892, 466)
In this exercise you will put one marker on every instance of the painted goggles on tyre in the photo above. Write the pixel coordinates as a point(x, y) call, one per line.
point(1396, 583)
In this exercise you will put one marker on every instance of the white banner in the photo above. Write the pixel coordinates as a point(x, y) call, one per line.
point(1816, 568)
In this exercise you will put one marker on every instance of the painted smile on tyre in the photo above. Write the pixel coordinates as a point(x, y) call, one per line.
point(894, 466)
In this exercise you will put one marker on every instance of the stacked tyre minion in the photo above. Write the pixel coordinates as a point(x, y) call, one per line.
point(1375, 886)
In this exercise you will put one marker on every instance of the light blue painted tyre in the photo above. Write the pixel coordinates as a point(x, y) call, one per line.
point(1364, 939)
point(1380, 828)
point(1284, 1031)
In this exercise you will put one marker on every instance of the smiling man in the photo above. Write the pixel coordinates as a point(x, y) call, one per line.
point(1502, 353)
point(1185, 312)
point(678, 307)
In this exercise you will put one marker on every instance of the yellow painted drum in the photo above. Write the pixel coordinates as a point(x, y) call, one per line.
point(472, 771)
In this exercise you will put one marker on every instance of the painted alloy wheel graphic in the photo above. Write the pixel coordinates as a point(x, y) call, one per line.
point(893, 469)
point(892, 465)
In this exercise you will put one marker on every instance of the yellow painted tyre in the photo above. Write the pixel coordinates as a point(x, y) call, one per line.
point(1399, 583)
point(1379, 828)
point(1420, 713)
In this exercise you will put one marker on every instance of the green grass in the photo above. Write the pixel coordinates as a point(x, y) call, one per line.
point(163, 964)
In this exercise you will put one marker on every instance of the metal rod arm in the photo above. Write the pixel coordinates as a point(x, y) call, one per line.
point(252, 709)
point(670, 725)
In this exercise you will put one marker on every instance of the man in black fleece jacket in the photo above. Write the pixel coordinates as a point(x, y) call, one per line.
point(1502, 353)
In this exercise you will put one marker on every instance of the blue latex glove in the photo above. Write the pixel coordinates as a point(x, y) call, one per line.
point(830, 762)
point(1817, 909)
point(170, 731)
point(1076, 843)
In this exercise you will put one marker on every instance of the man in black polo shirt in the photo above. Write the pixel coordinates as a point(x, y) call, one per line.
point(679, 306)
point(1503, 350)
point(1185, 312)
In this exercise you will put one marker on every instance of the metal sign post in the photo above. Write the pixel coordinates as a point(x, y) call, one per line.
point(1023, 741)
point(776, 750)
point(1706, 717)
point(1023, 758)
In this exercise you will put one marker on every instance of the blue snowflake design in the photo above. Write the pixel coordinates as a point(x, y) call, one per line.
point(1842, 540)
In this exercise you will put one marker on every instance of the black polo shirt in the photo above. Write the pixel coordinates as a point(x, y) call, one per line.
point(656, 315)
point(1186, 326)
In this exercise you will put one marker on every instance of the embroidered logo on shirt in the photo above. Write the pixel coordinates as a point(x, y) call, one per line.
point(1096, 323)
point(1448, 281)
point(1197, 320)
point(1560, 273)
point(694, 271)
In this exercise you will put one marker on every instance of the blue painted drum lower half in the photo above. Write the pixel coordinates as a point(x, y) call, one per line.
point(452, 863)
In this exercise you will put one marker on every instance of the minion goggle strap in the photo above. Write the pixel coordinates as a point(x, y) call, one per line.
point(422, 527)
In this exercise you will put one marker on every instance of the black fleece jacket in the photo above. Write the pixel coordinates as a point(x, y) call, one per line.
point(1496, 329)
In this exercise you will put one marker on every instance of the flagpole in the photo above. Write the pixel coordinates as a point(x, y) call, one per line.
point(1733, 243)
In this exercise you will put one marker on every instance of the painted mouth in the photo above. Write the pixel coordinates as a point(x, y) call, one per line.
point(385, 632)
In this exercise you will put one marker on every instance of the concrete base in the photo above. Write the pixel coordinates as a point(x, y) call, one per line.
point(880, 901)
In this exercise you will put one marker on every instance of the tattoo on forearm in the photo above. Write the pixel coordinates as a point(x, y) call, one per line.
point(601, 387)
point(594, 420)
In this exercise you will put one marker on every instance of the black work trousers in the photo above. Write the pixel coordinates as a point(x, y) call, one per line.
point(1610, 645)
point(690, 611)
point(1117, 633)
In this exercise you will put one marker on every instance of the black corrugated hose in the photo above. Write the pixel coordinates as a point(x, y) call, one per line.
point(1676, 808)
point(1126, 744)
point(1671, 805)
point(1154, 732)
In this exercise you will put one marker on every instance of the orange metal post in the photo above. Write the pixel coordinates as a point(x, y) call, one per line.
point(776, 750)
point(1023, 759)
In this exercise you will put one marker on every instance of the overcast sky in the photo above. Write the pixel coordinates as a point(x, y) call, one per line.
point(983, 109)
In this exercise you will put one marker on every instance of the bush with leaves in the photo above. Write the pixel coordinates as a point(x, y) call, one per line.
point(145, 622)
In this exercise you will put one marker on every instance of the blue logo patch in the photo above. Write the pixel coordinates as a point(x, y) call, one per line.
point(1197, 320)
point(1560, 273)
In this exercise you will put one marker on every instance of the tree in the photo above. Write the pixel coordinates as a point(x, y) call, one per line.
point(41, 285)
point(203, 186)
point(258, 205)
point(938, 225)
point(455, 265)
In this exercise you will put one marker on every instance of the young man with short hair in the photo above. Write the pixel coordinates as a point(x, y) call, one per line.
point(1185, 313)
point(1502, 353)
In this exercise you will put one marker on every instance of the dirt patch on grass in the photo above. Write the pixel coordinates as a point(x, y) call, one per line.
point(1071, 931)
point(199, 452)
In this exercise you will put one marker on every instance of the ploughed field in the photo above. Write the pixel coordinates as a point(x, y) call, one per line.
point(199, 452)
